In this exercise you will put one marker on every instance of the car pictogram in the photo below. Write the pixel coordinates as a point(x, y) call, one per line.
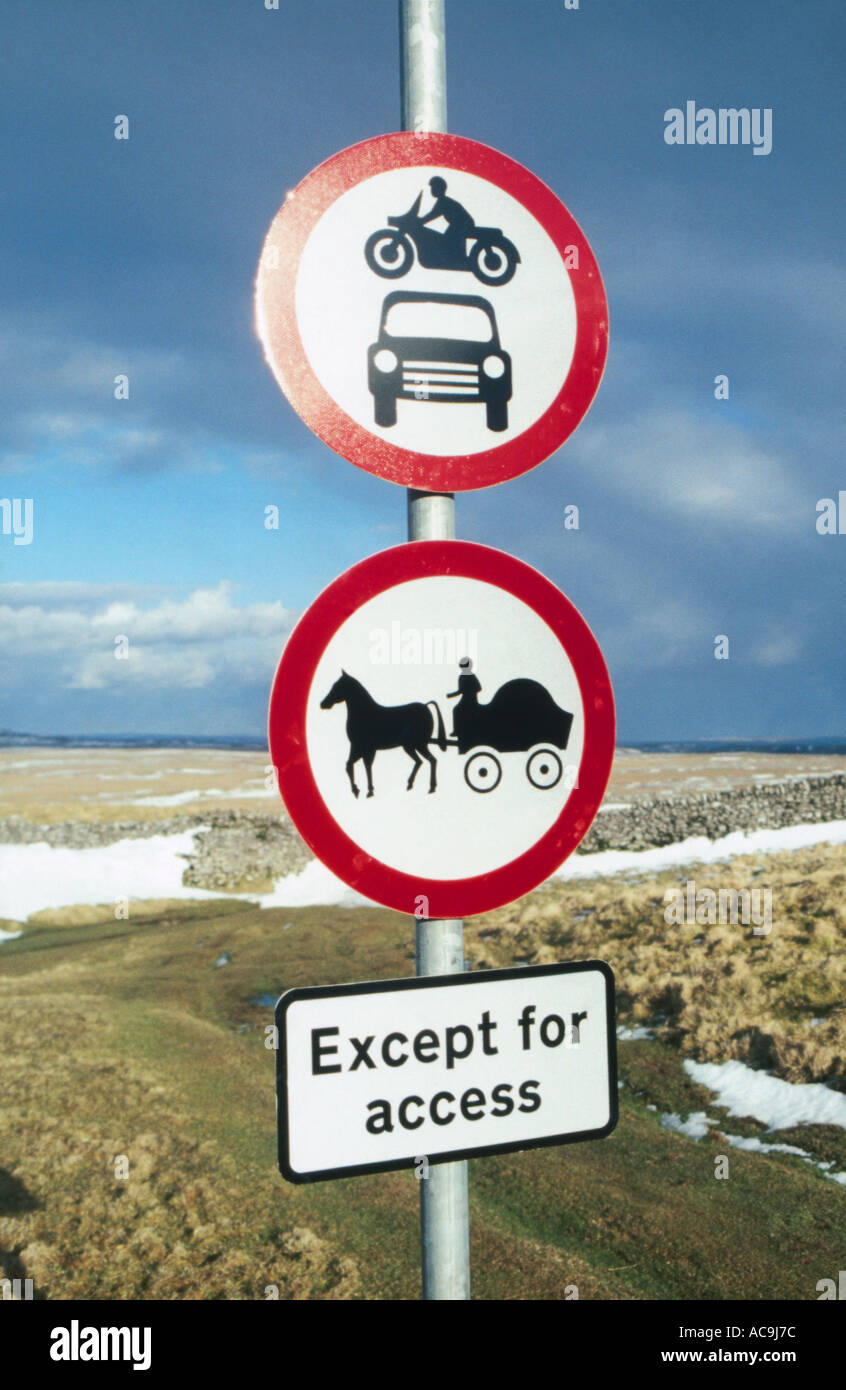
point(438, 347)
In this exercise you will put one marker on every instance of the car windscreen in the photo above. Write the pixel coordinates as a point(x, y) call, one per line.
point(425, 319)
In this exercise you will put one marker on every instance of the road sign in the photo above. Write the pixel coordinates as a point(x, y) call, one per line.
point(432, 311)
point(442, 728)
point(410, 1072)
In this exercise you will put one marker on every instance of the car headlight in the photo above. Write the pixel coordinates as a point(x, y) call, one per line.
point(493, 366)
point(385, 360)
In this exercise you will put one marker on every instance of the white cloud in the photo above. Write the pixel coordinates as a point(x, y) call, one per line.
point(40, 363)
point(47, 358)
point(777, 649)
point(694, 262)
point(205, 612)
point(690, 466)
point(187, 643)
point(104, 441)
point(653, 620)
point(70, 592)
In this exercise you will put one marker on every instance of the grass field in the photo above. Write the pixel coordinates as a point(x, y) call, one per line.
point(48, 785)
point(123, 1038)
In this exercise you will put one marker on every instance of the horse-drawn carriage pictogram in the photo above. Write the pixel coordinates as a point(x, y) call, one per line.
point(521, 717)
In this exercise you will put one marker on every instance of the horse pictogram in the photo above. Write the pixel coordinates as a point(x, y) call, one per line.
point(371, 727)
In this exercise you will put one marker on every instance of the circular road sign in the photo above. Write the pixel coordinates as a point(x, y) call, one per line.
point(442, 728)
point(432, 311)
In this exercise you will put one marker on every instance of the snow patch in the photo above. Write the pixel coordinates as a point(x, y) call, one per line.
point(41, 875)
point(754, 1145)
point(696, 1126)
point(201, 794)
point(698, 849)
point(314, 886)
point(777, 1104)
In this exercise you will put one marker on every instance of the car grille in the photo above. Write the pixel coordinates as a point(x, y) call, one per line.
point(441, 378)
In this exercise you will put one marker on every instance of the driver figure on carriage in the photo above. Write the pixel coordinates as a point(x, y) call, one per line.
point(519, 715)
point(463, 713)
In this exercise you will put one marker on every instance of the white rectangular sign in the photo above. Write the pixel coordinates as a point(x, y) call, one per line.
point(384, 1075)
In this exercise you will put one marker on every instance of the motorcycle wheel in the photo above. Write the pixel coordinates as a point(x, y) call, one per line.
point(493, 262)
point(388, 255)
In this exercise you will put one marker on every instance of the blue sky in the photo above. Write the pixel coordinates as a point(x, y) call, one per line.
point(697, 516)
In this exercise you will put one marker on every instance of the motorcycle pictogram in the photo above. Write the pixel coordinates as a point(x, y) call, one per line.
point(390, 252)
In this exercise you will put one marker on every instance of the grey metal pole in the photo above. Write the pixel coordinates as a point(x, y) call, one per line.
point(439, 944)
point(444, 1210)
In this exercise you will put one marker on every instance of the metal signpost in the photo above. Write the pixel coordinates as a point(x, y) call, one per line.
point(438, 944)
point(436, 316)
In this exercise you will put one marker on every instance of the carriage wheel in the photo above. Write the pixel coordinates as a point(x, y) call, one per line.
point(544, 768)
point(483, 772)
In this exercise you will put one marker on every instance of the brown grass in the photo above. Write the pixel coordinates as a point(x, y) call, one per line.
point(716, 992)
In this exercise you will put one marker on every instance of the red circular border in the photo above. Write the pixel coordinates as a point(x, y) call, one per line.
point(276, 317)
point(289, 752)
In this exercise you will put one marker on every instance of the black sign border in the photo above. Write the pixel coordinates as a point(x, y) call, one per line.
point(291, 996)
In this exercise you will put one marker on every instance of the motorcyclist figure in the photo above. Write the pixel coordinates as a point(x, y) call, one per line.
point(460, 225)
